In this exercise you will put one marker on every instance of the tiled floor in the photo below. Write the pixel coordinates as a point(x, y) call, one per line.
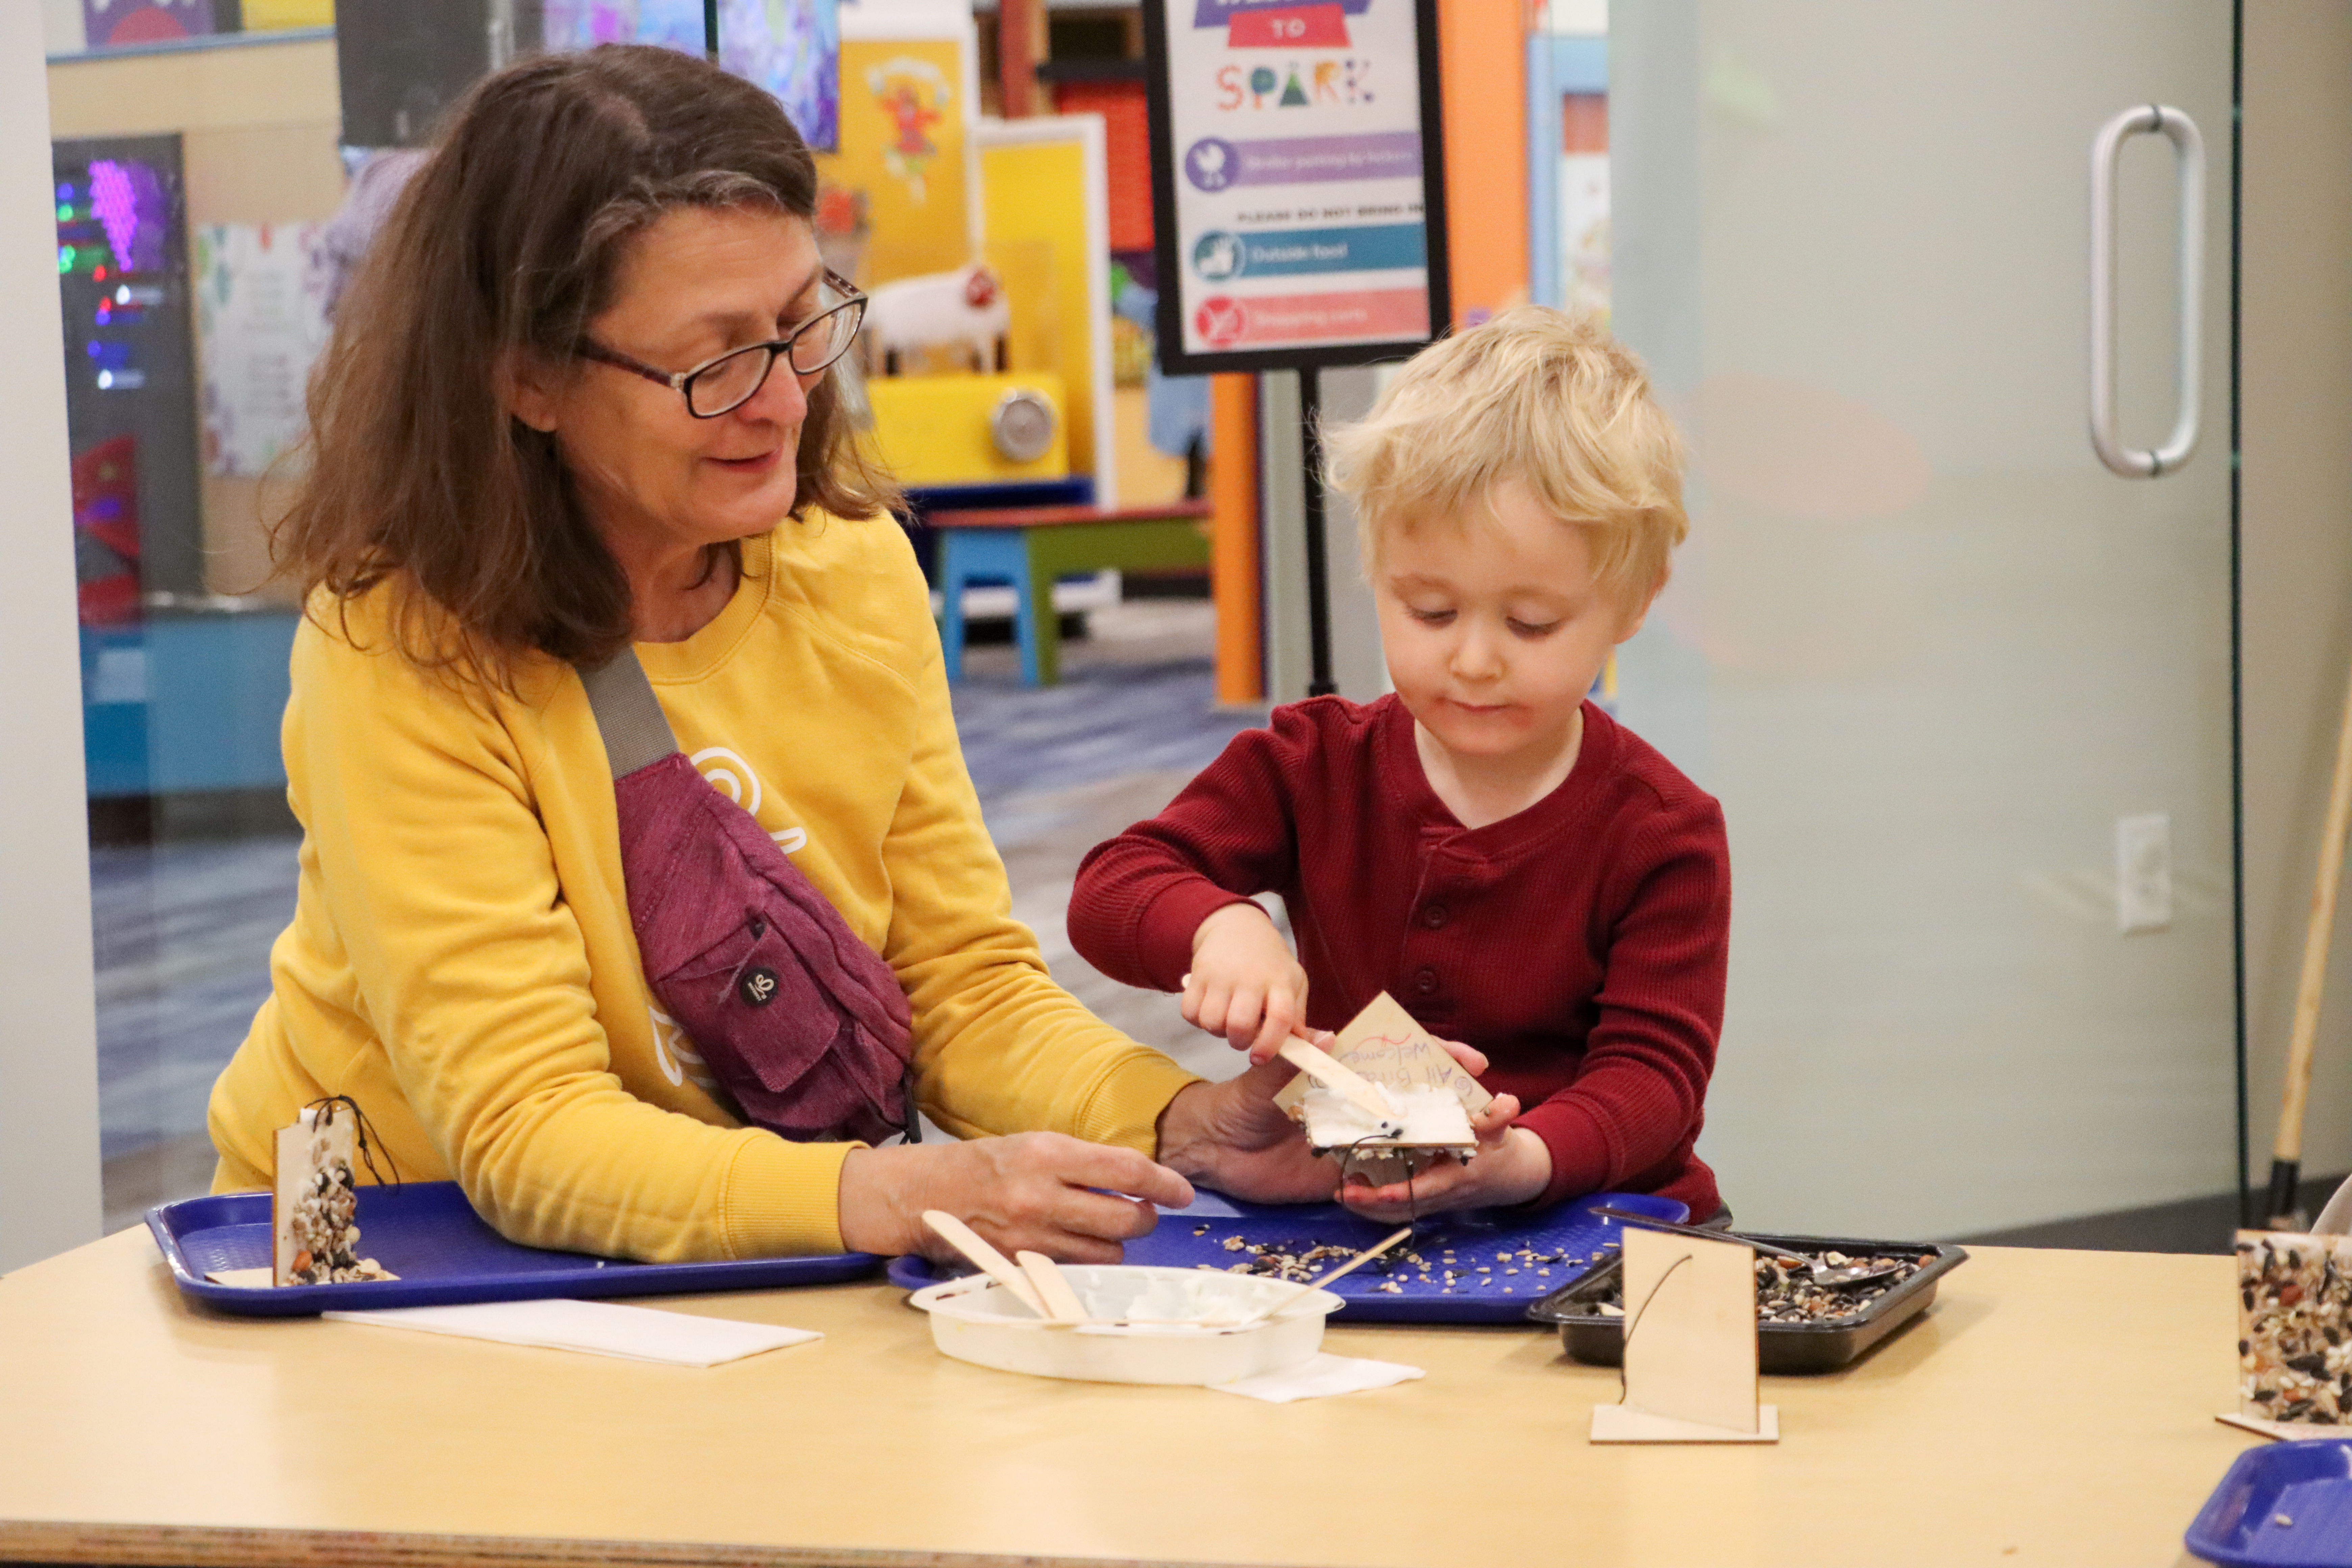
point(183, 930)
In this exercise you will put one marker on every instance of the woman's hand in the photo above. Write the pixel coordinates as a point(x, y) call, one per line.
point(1512, 1166)
point(1032, 1190)
point(1244, 983)
point(1232, 1137)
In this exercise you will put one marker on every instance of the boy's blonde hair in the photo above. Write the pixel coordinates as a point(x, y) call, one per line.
point(1535, 394)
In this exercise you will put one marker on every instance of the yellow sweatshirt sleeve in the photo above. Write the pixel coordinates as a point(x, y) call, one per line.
point(439, 885)
point(999, 1046)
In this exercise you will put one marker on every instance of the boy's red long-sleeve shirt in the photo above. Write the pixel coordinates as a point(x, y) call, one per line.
point(1581, 945)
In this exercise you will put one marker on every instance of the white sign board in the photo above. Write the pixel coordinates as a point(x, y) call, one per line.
point(1297, 180)
point(261, 321)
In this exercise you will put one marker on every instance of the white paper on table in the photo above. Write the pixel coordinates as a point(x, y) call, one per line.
point(260, 1278)
point(597, 1328)
point(1318, 1376)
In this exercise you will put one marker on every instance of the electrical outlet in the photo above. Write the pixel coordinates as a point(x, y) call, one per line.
point(2143, 872)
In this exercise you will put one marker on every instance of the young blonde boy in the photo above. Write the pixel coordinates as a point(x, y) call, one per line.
point(1521, 871)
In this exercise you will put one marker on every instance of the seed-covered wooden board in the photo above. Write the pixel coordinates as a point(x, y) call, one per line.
point(1477, 1266)
point(2295, 1327)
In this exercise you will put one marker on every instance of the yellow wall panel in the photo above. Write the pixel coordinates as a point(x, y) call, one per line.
point(934, 429)
point(266, 15)
point(1037, 203)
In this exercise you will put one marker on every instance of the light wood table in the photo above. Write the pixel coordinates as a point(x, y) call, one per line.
point(2054, 1407)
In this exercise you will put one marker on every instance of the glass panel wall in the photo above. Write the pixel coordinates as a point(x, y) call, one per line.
point(196, 166)
point(1960, 687)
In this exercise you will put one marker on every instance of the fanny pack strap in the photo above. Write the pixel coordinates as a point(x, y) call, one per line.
point(628, 715)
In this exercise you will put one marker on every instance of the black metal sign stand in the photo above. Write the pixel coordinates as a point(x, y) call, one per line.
point(1318, 569)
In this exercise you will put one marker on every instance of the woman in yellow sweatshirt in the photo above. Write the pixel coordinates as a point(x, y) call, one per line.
point(552, 424)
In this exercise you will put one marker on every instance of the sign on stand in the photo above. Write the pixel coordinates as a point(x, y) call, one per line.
point(1299, 199)
point(1297, 180)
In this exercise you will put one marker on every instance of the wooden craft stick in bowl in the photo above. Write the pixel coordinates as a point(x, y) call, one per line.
point(1062, 1303)
point(985, 1257)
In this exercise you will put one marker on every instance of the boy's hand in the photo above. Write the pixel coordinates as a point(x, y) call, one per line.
point(1512, 1166)
point(1244, 983)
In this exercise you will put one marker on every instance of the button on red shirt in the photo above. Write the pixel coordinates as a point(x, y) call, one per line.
point(1581, 945)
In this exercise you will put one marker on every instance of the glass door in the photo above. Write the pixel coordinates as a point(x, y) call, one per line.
point(1964, 691)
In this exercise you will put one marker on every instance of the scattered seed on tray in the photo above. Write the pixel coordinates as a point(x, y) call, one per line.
point(1300, 1260)
point(1785, 1291)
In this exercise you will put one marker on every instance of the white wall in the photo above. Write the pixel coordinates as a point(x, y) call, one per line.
point(48, 1053)
point(62, 32)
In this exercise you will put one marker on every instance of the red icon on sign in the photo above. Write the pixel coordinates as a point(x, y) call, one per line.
point(1220, 321)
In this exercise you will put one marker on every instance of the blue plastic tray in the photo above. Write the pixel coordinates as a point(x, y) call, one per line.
point(1570, 1229)
point(427, 1233)
point(2307, 1483)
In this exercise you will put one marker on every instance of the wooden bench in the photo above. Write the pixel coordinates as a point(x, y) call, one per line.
point(1030, 547)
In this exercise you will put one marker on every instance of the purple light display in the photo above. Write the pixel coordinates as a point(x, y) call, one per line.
point(129, 202)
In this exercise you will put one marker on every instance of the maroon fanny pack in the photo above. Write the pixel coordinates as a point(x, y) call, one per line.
point(802, 1024)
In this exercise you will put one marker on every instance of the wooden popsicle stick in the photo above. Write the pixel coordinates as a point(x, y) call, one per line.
point(1356, 1262)
point(1053, 1287)
point(1338, 1076)
point(986, 1259)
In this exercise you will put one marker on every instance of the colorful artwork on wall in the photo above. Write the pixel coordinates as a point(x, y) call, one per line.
point(902, 168)
point(792, 48)
point(106, 532)
point(111, 24)
point(129, 381)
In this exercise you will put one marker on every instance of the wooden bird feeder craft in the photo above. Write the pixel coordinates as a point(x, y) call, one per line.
point(1690, 1345)
point(1425, 1100)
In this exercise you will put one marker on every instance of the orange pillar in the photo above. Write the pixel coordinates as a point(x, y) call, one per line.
point(1020, 45)
point(1483, 62)
point(1232, 536)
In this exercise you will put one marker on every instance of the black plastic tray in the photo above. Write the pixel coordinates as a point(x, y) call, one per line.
point(1590, 1336)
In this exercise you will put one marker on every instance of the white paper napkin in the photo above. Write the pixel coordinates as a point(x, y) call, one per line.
point(261, 1278)
point(1318, 1376)
point(599, 1328)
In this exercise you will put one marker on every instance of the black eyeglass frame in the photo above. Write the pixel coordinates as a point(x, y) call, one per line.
point(682, 381)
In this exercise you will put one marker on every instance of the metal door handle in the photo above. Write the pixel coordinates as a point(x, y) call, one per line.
point(2188, 149)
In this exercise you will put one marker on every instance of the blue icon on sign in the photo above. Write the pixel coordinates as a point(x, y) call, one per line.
point(1217, 256)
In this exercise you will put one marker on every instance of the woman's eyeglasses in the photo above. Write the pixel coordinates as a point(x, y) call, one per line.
point(717, 386)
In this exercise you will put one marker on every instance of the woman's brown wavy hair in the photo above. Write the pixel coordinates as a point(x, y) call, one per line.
point(506, 244)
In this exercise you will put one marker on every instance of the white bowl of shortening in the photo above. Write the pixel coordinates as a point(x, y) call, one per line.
point(1191, 1335)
